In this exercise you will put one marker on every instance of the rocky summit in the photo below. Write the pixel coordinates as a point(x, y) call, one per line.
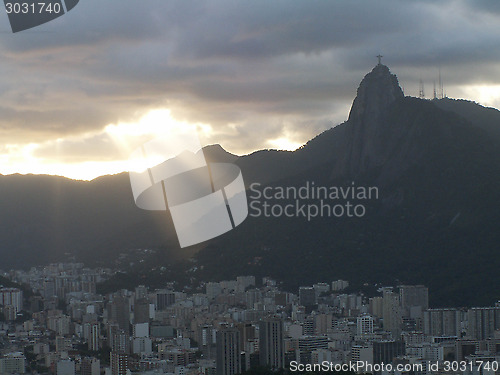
point(368, 126)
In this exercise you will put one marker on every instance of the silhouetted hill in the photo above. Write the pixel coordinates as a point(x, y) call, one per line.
point(435, 165)
point(49, 218)
point(434, 222)
point(484, 118)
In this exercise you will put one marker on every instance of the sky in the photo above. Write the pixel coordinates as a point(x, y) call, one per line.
point(80, 93)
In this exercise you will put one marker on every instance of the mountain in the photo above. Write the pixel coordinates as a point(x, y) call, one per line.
point(481, 117)
point(48, 219)
point(434, 220)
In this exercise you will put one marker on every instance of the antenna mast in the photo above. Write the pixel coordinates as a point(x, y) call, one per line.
point(421, 92)
point(441, 88)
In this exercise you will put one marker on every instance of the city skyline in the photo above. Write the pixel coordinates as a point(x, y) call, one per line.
point(61, 321)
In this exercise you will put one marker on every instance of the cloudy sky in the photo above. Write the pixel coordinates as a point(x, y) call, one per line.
point(78, 94)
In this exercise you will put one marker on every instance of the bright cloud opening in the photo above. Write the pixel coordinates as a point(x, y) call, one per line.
point(124, 137)
point(487, 95)
point(284, 143)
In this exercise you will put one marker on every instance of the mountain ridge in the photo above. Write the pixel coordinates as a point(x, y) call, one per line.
point(435, 162)
point(438, 175)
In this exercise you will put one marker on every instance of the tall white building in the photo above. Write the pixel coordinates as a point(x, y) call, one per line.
point(392, 313)
point(271, 343)
point(376, 306)
point(228, 351)
point(244, 282)
point(13, 363)
point(141, 330)
point(442, 322)
point(119, 363)
point(414, 300)
point(90, 366)
point(65, 367)
point(339, 285)
point(93, 340)
point(321, 288)
point(483, 322)
point(142, 345)
point(362, 353)
point(12, 297)
point(364, 325)
point(318, 356)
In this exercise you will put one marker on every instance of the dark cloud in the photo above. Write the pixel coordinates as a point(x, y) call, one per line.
point(95, 148)
point(253, 70)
